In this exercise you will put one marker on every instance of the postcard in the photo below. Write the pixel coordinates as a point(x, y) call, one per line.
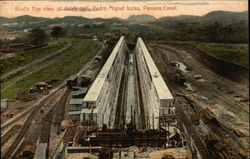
point(124, 79)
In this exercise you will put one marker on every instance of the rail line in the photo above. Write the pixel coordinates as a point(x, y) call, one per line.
point(9, 134)
point(232, 102)
point(26, 125)
point(25, 112)
point(32, 111)
point(192, 132)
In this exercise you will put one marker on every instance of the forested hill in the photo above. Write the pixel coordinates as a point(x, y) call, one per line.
point(216, 26)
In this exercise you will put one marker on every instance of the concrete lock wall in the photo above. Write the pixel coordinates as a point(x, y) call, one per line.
point(102, 97)
point(109, 80)
point(150, 103)
point(109, 94)
point(157, 101)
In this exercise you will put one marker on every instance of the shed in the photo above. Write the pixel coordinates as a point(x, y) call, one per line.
point(85, 79)
point(74, 116)
point(80, 93)
point(76, 104)
point(4, 104)
point(40, 151)
point(72, 81)
point(75, 88)
point(42, 88)
point(74, 113)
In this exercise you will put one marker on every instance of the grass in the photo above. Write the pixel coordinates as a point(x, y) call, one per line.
point(25, 57)
point(233, 53)
point(61, 67)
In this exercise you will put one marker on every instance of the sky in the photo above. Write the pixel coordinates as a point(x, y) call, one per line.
point(120, 9)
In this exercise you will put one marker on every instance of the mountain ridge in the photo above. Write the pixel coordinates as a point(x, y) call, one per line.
point(226, 17)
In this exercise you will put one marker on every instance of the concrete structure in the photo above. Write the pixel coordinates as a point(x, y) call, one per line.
point(157, 99)
point(103, 94)
point(113, 98)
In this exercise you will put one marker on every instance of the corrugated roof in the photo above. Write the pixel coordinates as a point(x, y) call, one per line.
point(160, 85)
point(97, 85)
point(75, 101)
point(85, 76)
point(79, 92)
point(74, 112)
point(71, 78)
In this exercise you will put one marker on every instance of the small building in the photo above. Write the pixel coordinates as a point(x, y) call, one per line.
point(42, 87)
point(41, 149)
point(80, 92)
point(85, 80)
point(4, 104)
point(76, 104)
point(74, 116)
point(72, 81)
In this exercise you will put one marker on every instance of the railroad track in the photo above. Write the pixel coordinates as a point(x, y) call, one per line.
point(192, 132)
point(233, 103)
point(25, 112)
point(222, 128)
point(32, 111)
point(26, 126)
point(9, 134)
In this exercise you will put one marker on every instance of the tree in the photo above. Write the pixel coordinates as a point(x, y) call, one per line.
point(57, 31)
point(37, 36)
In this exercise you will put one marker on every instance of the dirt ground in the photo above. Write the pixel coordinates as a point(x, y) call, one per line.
point(17, 107)
point(228, 100)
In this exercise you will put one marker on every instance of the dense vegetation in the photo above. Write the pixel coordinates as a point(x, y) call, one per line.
point(37, 36)
point(234, 53)
point(216, 32)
